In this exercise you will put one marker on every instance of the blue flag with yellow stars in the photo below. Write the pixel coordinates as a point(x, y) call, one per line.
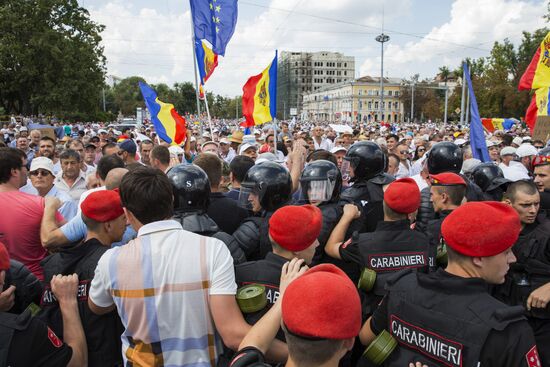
point(214, 21)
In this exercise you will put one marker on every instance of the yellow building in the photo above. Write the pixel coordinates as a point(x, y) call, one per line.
point(357, 100)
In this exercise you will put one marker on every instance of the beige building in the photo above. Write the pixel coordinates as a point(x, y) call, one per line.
point(356, 100)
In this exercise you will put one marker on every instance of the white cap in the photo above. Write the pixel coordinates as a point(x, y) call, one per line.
point(102, 131)
point(526, 138)
point(507, 151)
point(517, 140)
point(42, 162)
point(460, 141)
point(257, 132)
point(469, 165)
point(225, 141)
point(526, 150)
point(246, 146)
point(176, 150)
point(267, 156)
point(250, 139)
point(490, 143)
point(209, 142)
point(206, 135)
point(338, 149)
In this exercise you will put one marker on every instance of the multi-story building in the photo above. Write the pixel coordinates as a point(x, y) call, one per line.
point(305, 72)
point(355, 100)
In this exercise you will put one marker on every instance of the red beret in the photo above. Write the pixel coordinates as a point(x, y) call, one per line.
point(322, 303)
point(102, 206)
point(4, 258)
point(295, 228)
point(403, 196)
point(481, 228)
point(447, 179)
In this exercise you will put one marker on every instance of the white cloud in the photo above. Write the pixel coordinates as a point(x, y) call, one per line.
point(473, 23)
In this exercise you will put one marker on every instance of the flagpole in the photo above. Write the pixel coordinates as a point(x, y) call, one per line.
point(275, 117)
point(195, 69)
point(208, 114)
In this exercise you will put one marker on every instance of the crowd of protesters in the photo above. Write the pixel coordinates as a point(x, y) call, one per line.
point(117, 248)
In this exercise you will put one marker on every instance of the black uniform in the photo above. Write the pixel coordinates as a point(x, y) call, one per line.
point(102, 331)
point(433, 231)
point(266, 272)
point(391, 247)
point(28, 341)
point(444, 320)
point(200, 223)
point(28, 289)
point(253, 236)
point(226, 212)
point(531, 271)
point(368, 196)
point(545, 202)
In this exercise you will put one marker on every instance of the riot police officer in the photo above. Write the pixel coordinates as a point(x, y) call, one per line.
point(105, 222)
point(293, 232)
point(528, 281)
point(391, 247)
point(266, 187)
point(491, 181)
point(443, 157)
point(27, 341)
point(321, 184)
point(367, 163)
point(447, 192)
point(191, 199)
point(447, 317)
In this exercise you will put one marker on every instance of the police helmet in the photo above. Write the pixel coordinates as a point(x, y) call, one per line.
point(270, 181)
point(367, 160)
point(321, 181)
point(489, 176)
point(191, 188)
point(445, 157)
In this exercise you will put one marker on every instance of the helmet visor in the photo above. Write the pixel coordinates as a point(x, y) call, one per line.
point(319, 191)
point(247, 196)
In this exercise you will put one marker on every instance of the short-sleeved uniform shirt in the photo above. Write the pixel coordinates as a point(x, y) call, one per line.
point(160, 283)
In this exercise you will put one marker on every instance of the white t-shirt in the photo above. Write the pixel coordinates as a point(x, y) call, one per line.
point(160, 283)
point(515, 171)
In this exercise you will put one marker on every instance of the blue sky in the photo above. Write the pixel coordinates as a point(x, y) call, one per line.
point(152, 38)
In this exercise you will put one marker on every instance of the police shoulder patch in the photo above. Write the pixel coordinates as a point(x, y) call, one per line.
point(346, 244)
point(56, 342)
point(532, 357)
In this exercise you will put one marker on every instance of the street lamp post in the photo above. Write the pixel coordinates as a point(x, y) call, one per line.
point(382, 38)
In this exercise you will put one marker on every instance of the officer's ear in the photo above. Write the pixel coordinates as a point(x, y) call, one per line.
point(477, 261)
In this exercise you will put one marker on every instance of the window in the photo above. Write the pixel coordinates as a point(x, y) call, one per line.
point(345, 64)
point(376, 105)
point(390, 93)
point(396, 93)
point(339, 64)
point(396, 105)
point(296, 63)
point(345, 73)
point(370, 105)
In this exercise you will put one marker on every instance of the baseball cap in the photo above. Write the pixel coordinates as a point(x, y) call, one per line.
point(526, 150)
point(129, 146)
point(507, 151)
point(517, 140)
point(42, 163)
point(338, 149)
point(246, 146)
point(225, 141)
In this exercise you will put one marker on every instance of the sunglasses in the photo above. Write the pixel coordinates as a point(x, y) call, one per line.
point(41, 172)
point(421, 150)
point(404, 152)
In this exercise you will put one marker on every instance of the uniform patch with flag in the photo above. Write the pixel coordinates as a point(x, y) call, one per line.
point(532, 357)
point(56, 342)
point(169, 125)
point(260, 96)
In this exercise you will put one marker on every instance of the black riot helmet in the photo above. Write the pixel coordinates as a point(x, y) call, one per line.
point(321, 181)
point(268, 180)
point(191, 188)
point(445, 157)
point(367, 160)
point(489, 177)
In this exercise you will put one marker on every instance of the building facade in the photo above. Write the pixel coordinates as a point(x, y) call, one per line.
point(300, 73)
point(355, 100)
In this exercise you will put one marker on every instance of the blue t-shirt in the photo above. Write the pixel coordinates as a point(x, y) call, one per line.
point(75, 230)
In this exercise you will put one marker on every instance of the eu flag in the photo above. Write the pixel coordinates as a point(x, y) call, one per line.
point(214, 21)
point(477, 136)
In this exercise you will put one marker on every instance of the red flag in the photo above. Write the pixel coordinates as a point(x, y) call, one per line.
point(526, 80)
point(531, 114)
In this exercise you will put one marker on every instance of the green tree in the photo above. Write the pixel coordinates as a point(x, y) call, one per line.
point(127, 95)
point(51, 60)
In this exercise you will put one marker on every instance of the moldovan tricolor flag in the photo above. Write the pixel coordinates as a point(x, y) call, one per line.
point(260, 96)
point(537, 76)
point(169, 125)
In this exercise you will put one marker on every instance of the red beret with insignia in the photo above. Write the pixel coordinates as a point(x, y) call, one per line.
point(481, 228)
point(4, 258)
point(294, 227)
point(402, 196)
point(447, 179)
point(102, 206)
point(323, 303)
